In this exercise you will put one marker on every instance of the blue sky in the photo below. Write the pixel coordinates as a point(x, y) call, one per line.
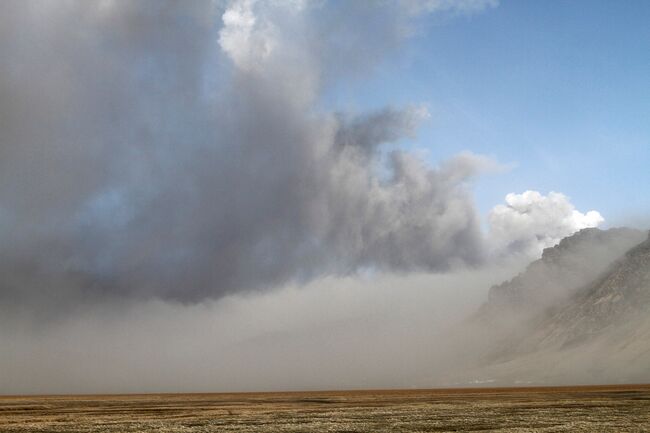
point(559, 88)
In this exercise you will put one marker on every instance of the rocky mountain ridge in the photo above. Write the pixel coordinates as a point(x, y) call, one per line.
point(623, 292)
point(564, 268)
point(580, 314)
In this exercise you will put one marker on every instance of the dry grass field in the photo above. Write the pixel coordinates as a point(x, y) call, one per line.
point(576, 409)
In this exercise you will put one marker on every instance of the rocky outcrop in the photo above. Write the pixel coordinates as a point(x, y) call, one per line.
point(621, 294)
point(564, 269)
point(579, 315)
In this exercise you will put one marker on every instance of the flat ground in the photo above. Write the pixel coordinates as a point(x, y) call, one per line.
point(589, 409)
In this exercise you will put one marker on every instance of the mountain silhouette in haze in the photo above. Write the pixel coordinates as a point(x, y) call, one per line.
point(580, 314)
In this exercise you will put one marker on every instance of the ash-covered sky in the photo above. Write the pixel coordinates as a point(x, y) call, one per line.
point(183, 152)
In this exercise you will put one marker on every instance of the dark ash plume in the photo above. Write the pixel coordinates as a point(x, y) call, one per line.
point(174, 150)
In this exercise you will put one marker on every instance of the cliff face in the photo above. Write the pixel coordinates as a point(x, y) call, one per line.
point(564, 268)
point(619, 296)
point(580, 314)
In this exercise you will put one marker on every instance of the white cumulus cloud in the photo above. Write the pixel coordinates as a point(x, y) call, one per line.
point(529, 222)
point(247, 41)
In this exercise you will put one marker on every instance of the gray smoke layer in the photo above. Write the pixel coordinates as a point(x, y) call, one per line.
point(332, 333)
point(176, 150)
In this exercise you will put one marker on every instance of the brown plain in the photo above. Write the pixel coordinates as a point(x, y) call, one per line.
point(619, 408)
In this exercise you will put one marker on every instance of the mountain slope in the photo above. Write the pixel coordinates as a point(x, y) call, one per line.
point(623, 293)
point(548, 325)
point(563, 269)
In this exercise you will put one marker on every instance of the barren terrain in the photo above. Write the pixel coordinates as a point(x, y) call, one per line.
point(604, 409)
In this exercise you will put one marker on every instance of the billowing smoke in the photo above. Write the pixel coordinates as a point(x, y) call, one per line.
point(164, 150)
point(177, 150)
point(530, 222)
